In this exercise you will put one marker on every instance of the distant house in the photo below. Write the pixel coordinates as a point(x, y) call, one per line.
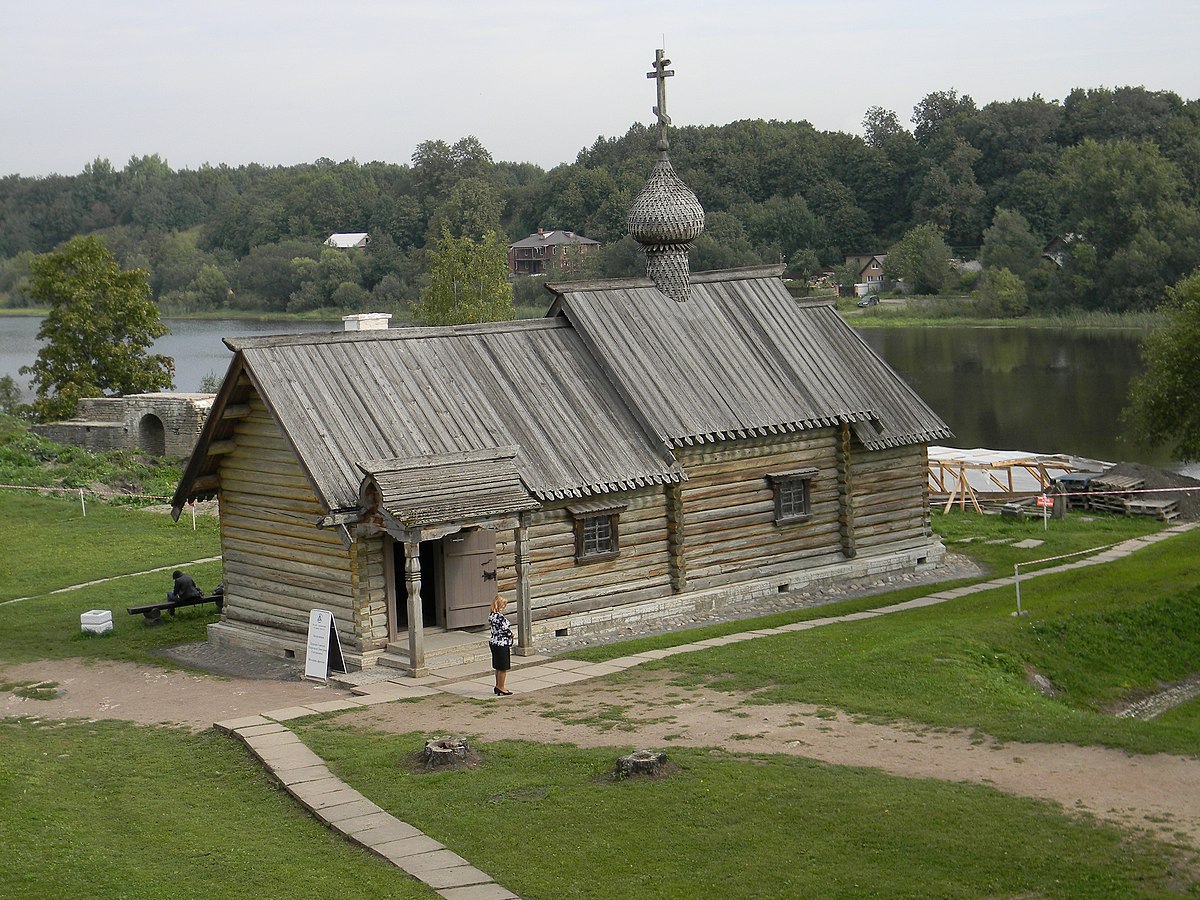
point(868, 272)
point(1059, 247)
point(547, 252)
point(349, 240)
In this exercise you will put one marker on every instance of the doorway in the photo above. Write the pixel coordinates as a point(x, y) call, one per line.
point(152, 436)
point(432, 578)
point(458, 580)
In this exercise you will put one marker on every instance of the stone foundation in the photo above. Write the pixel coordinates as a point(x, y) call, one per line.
point(648, 613)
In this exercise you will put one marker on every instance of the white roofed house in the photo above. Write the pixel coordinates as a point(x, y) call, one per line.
point(652, 447)
point(349, 240)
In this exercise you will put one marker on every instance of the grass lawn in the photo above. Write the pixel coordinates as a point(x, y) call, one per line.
point(106, 809)
point(547, 822)
point(967, 533)
point(1100, 634)
point(47, 626)
point(48, 543)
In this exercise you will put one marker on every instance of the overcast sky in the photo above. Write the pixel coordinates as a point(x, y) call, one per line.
point(288, 82)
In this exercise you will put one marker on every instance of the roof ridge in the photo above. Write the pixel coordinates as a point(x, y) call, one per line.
point(402, 333)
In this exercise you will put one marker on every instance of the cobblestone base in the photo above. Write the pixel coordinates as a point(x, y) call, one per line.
point(953, 567)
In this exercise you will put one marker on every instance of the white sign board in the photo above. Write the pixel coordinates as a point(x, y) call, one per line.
point(323, 649)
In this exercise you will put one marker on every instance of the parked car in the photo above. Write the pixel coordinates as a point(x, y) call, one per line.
point(869, 300)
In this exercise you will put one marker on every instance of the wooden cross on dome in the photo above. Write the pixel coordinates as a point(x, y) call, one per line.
point(662, 73)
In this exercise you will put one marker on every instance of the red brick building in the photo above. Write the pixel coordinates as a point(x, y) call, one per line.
point(548, 252)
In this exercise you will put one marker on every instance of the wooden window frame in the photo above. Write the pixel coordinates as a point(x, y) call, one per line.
point(785, 483)
point(588, 516)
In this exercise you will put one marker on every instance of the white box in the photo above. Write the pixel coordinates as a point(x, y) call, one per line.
point(96, 621)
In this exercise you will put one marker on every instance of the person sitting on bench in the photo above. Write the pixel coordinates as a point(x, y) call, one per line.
point(184, 589)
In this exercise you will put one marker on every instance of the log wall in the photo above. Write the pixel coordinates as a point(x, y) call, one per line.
point(561, 586)
point(729, 506)
point(277, 564)
point(891, 497)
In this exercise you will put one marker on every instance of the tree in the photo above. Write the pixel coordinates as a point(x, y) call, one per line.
point(1164, 403)
point(1130, 204)
point(1003, 295)
point(10, 396)
point(468, 281)
point(100, 324)
point(803, 262)
point(949, 197)
point(937, 111)
point(879, 124)
point(921, 258)
point(1010, 244)
point(471, 210)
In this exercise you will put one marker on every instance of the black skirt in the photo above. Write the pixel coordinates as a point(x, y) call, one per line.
point(501, 658)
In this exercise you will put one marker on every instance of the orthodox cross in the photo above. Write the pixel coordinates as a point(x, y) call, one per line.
point(662, 73)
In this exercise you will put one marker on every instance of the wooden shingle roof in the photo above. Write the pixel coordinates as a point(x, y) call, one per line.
point(741, 358)
point(593, 398)
point(345, 398)
point(452, 487)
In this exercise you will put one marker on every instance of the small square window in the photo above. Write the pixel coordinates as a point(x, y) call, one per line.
point(596, 531)
point(793, 495)
point(597, 536)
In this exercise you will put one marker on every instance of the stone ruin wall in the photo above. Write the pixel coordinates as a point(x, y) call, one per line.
point(160, 424)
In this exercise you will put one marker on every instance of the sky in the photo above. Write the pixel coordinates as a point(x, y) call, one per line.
point(290, 82)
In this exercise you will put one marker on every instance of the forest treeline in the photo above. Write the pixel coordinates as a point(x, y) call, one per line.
point(1114, 174)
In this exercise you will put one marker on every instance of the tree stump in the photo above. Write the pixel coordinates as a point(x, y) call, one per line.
point(444, 752)
point(640, 762)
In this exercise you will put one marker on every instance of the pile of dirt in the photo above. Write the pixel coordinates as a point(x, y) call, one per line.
point(1164, 479)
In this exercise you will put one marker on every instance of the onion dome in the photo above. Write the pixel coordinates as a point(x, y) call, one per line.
point(666, 216)
point(666, 211)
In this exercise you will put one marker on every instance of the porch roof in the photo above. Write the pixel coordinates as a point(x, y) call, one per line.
point(454, 487)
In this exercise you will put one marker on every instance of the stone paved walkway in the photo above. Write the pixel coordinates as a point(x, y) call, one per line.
point(305, 776)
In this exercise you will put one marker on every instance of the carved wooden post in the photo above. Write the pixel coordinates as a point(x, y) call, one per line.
point(676, 557)
point(416, 621)
point(524, 609)
point(845, 482)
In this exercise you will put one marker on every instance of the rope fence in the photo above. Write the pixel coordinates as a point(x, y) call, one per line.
point(1034, 562)
point(107, 495)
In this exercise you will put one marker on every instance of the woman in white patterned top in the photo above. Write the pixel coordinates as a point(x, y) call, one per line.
point(500, 641)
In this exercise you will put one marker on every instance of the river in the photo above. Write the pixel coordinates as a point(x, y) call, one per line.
point(1032, 389)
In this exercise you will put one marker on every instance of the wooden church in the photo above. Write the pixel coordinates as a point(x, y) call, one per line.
point(651, 448)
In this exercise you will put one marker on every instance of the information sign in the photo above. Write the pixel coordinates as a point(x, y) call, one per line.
point(324, 650)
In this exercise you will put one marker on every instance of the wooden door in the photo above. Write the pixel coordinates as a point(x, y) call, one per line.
point(470, 568)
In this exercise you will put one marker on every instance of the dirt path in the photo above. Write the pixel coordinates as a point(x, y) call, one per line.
point(150, 695)
point(1159, 793)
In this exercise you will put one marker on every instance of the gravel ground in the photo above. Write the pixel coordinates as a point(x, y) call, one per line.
point(1189, 501)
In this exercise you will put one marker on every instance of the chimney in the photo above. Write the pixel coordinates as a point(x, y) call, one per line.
point(366, 321)
point(540, 232)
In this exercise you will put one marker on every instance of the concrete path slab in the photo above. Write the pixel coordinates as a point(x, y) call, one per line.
point(416, 845)
point(287, 713)
point(455, 876)
point(478, 892)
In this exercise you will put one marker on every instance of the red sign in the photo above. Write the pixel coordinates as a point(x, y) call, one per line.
point(1045, 501)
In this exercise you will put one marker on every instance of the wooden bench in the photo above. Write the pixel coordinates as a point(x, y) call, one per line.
point(153, 611)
